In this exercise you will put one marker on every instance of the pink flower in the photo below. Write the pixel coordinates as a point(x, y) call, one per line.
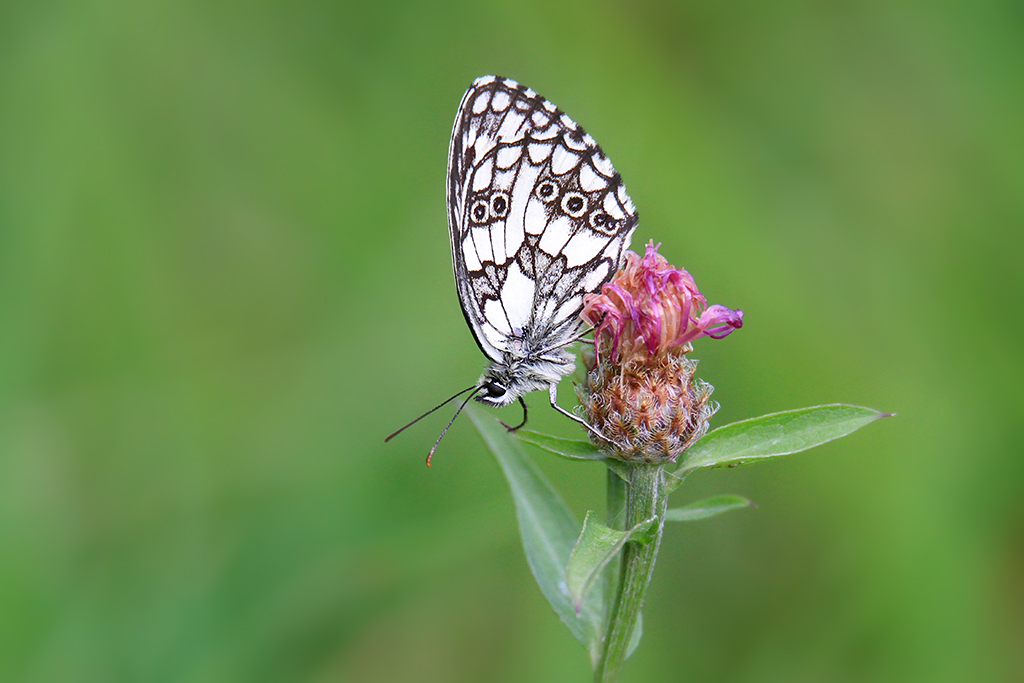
point(650, 309)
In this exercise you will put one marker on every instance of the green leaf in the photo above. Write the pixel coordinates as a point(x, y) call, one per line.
point(768, 436)
point(573, 449)
point(709, 507)
point(596, 546)
point(567, 448)
point(548, 530)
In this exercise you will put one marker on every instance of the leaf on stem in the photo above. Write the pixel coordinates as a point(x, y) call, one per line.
point(709, 507)
point(573, 449)
point(567, 448)
point(548, 530)
point(597, 545)
point(768, 436)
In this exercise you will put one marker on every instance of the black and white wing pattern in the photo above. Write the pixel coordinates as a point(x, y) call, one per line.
point(537, 217)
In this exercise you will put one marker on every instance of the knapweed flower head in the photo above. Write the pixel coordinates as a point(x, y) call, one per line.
point(640, 392)
point(650, 309)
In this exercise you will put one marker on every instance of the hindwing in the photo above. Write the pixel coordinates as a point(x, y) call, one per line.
point(537, 217)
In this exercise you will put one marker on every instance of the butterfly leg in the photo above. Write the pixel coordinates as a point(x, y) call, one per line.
point(553, 395)
point(512, 429)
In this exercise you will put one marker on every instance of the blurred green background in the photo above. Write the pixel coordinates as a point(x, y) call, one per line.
point(225, 276)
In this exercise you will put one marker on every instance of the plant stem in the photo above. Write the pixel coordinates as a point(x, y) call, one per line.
point(615, 518)
point(616, 501)
point(646, 497)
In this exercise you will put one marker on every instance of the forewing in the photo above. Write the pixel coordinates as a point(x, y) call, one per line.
point(537, 217)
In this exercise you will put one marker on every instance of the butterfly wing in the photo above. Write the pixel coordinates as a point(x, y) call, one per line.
point(537, 217)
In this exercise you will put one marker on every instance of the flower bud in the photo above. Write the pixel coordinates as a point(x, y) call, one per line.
point(640, 391)
point(649, 413)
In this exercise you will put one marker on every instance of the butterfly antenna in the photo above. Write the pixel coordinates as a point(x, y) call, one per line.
point(450, 422)
point(440, 405)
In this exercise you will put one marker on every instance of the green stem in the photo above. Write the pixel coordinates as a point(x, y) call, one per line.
point(646, 497)
point(615, 513)
point(616, 501)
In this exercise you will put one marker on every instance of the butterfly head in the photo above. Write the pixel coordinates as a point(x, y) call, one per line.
point(501, 384)
point(495, 393)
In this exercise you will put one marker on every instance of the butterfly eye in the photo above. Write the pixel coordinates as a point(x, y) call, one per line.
point(494, 390)
point(479, 211)
point(547, 191)
point(574, 204)
point(499, 205)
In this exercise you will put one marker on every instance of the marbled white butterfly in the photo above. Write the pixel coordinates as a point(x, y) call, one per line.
point(537, 217)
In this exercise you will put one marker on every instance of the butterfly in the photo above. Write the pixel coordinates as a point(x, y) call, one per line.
point(537, 218)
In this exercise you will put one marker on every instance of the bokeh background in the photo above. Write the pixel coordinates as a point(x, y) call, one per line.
point(224, 277)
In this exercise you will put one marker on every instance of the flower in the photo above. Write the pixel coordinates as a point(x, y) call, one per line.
point(641, 393)
point(650, 308)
